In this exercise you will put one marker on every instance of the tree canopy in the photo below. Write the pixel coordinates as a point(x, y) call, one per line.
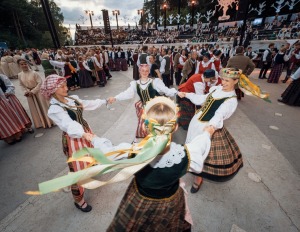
point(23, 24)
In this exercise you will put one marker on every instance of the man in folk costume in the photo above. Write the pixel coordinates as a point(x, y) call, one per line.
point(241, 62)
point(165, 68)
point(267, 61)
point(211, 51)
point(294, 62)
point(176, 56)
point(252, 55)
point(181, 62)
point(216, 60)
point(205, 64)
point(104, 53)
point(171, 66)
point(143, 57)
point(189, 67)
point(98, 64)
point(198, 84)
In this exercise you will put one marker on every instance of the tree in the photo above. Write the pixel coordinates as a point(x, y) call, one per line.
point(23, 24)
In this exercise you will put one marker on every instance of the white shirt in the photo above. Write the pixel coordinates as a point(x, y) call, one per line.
point(198, 150)
point(163, 65)
point(226, 109)
point(158, 85)
point(62, 119)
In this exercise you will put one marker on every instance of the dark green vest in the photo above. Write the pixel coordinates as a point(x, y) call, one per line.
point(210, 106)
point(76, 114)
point(147, 94)
point(143, 59)
point(161, 183)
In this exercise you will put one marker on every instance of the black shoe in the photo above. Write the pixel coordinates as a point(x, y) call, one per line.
point(110, 76)
point(196, 189)
point(30, 130)
point(280, 100)
point(87, 209)
point(264, 78)
point(283, 81)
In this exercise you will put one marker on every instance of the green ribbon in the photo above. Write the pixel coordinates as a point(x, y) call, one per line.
point(154, 146)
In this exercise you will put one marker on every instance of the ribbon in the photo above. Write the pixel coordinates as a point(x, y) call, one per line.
point(146, 151)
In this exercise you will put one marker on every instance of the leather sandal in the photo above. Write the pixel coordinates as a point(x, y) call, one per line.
point(87, 209)
point(196, 189)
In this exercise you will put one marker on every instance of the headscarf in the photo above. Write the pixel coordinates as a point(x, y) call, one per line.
point(245, 85)
point(51, 84)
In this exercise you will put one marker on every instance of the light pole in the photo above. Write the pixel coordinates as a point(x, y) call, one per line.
point(164, 7)
point(193, 3)
point(90, 13)
point(141, 12)
point(116, 13)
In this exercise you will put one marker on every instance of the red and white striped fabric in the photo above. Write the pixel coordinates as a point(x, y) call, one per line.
point(140, 133)
point(10, 123)
point(19, 110)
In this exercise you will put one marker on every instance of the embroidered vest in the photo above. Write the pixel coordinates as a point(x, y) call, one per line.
point(76, 114)
point(210, 106)
point(146, 94)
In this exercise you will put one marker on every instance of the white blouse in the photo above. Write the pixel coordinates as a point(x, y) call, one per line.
point(158, 85)
point(9, 85)
point(204, 65)
point(62, 119)
point(197, 149)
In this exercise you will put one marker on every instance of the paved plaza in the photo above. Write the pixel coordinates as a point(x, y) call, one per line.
point(264, 196)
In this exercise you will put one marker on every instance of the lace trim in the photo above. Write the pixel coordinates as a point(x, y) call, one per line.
point(173, 156)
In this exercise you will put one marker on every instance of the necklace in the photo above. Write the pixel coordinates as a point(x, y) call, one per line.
point(145, 82)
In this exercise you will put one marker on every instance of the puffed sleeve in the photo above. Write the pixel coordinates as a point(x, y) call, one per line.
point(196, 99)
point(159, 85)
point(90, 104)
point(57, 64)
point(128, 93)
point(199, 88)
point(223, 113)
point(9, 85)
point(197, 151)
point(106, 146)
point(39, 81)
point(61, 118)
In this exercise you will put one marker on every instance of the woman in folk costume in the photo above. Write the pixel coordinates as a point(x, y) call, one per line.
point(13, 66)
point(4, 65)
point(291, 96)
point(205, 64)
point(198, 84)
point(279, 61)
point(154, 200)
point(216, 60)
point(47, 66)
point(85, 79)
point(224, 159)
point(66, 111)
point(14, 120)
point(30, 81)
point(135, 57)
point(146, 88)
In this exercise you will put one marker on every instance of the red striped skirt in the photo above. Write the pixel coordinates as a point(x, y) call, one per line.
point(10, 123)
point(19, 110)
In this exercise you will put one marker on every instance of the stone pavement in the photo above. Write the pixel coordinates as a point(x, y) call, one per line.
point(264, 196)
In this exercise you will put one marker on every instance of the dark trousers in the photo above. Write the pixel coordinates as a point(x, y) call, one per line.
point(166, 79)
point(106, 70)
point(264, 70)
point(178, 76)
point(171, 75)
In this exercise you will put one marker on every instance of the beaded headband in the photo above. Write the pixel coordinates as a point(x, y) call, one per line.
point(233, 73)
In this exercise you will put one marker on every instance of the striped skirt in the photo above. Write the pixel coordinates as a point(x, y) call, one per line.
point(124, 65)
point(111, 64)
point(291, 95)
point(186, 112)
point(11, 126)
point(19, 110)
point(118, 64)
point(138, 213)
point(71, 145)
point(275, 73)
point(224, 159)
point(140, 132)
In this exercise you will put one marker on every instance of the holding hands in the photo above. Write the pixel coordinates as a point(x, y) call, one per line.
point(88, 136)
point(28, 94)
point(181, 94)
point(210, 129)
point(111, 100)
